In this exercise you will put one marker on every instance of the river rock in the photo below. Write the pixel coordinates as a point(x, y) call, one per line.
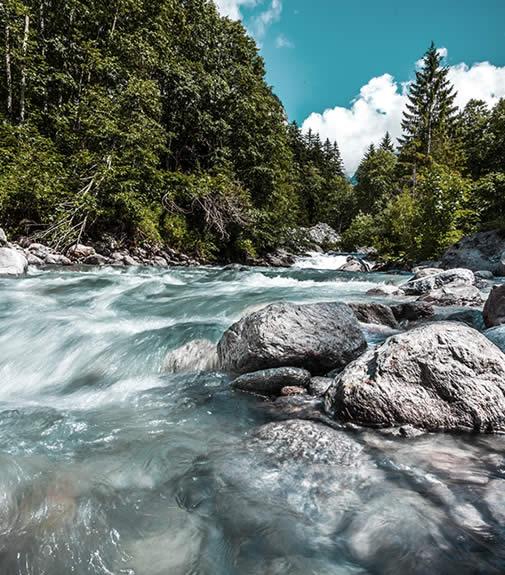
point(483, 275)
point(323, 234)
point(80, 251)
point(497, 336)
point(57, 260)
point(196, 355)
point(33, 260)
point(454, 295)
point(280, 258)
point(307, 441)
point(318, 386)
point(453, 277)
point(412, 311)
point(385, 290)
point(420, 273)
point(494, 309)
point(479, 251)
point(319, 337)
point(440, 376)
point(3, 238)
point(375, 313)
point(472, 317)
point(95, 260)
point(354, 265)
point(272, 381)
point(40, 250)
point(12, 262)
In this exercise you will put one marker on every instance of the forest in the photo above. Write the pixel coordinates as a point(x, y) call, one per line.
point(152, 122)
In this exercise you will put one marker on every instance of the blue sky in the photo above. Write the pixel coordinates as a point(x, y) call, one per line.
point(332, 63)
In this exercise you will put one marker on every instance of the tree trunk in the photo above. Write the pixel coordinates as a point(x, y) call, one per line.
point(8, 71)
point(23, 71)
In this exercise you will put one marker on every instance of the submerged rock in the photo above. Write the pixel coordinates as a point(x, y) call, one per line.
point(272, 381)
point(319, 337)
point(375, 313)
point(306, 440)
point(494, 310)
point(12, 262)
point(441, 376)
point(477, 252)
point(453, 278)
point(196, 355)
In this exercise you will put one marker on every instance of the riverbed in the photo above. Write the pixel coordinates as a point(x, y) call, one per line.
point(111, 465)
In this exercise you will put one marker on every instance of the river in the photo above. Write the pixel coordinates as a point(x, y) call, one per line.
point(110, 465)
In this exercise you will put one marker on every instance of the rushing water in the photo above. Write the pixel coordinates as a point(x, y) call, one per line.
point(108, 465)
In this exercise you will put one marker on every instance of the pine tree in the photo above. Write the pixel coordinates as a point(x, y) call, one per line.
point(430, 119)
point(387, 143)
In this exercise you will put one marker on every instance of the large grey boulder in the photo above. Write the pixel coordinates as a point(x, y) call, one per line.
point(494, 310)
point(454, 296)
point(272, 381)
point(375, 313)
point(453, 277)
point(3, 238)
point(440, 376)
point(12, 262)
point(481, 251)
point(319, 337)
point(322, 234)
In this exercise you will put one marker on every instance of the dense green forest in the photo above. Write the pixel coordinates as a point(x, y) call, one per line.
point(151, 121)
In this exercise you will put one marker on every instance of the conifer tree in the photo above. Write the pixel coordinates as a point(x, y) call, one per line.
point(387, 143)
point(430, 118)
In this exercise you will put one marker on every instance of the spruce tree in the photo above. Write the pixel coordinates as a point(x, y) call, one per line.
point(387, 143)
point(430, 118)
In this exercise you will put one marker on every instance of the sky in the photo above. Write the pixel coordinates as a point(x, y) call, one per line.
point(343, 68)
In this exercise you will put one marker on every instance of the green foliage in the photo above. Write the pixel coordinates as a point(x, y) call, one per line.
point(430, 127)
point(376, 179)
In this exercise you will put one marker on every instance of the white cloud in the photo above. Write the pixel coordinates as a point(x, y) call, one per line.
point(267, 18)
point(380, 103)
point(282, 42)
point(482, 81)
point(261, 22)
point(377, 109)
point(231, 8)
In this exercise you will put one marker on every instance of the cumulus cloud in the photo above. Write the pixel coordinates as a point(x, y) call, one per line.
point(377, 109)
point(282, 42)
point(267, 17)
point(231, 8)
point(261, 22)
point(379, 106)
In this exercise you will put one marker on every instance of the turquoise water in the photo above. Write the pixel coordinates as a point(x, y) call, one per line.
point(109, 464)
